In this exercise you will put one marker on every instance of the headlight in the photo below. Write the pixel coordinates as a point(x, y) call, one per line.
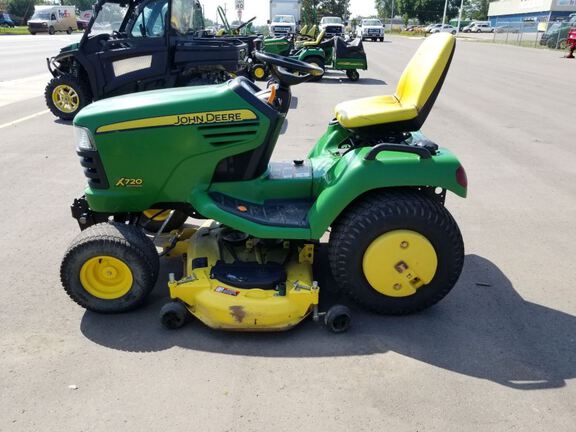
point(83, 138)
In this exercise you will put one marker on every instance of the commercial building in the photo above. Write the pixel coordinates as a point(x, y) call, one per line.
point(536, 11)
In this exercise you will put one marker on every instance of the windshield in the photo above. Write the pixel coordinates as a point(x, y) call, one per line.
point(372, 22)
point(284, 19)
point(41, 16)
point(186, 17)
point(331, 20)
point(109, 19)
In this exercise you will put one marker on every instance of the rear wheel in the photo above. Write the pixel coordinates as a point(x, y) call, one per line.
point(109, 268)
point(353, 75)
point(396, 252)
point(51, 30)
point(69, 31)
point(65, 96)
point(563, 44)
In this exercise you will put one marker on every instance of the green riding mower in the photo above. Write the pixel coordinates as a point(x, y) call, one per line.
point(372, 180)
point(138, 45)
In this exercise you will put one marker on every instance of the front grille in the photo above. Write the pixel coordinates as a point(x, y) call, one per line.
point(334, 29)
point(281, 29)
point(37, 26)
point(93, 169)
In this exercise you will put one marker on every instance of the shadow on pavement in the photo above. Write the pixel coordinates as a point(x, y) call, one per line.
point(483, 329)
point(340, 78)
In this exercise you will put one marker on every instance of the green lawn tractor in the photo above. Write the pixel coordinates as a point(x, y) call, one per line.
point(138, 45)
point(336, 54)
point(372, 180)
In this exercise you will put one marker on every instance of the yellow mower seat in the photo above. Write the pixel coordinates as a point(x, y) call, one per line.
point(312, 32)
point(318, 40)
point(416, 92)
point(304, 30)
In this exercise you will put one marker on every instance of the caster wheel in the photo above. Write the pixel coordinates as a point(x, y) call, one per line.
point(338, 319)
point(353, 75)
point(173, 315)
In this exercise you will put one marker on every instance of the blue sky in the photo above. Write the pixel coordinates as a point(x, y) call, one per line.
point(260, 8)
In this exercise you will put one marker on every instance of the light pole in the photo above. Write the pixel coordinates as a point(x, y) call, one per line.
point(444, 16)
point(460, 16)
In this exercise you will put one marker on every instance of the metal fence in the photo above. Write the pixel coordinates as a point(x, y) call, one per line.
point(532, 33)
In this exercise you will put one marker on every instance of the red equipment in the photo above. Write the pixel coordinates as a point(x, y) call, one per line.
point(571, 42)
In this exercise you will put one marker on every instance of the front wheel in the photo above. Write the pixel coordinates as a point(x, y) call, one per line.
point(109, 268)
point(316, 61)
point(51, 30)
point(396, 252)
point(353, 75)
point(65, 96)
point(69, 30)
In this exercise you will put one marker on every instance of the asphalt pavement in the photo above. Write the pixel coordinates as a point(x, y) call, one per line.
point(498, 354)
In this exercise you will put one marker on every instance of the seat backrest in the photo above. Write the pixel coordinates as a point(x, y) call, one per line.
point(422, 79)
point(313, 30)
point(304, 30)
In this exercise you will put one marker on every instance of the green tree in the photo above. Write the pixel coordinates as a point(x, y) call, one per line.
point(81, 5)
point(339, 8)
point(21, 10)
point(309, 11)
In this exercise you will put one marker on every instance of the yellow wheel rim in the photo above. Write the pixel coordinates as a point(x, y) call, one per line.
point(65, 98)
point(259, 72)
point(106, 277)
point(157, 214)
point(400, 262)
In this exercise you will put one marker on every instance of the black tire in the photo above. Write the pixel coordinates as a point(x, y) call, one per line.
point(379, 213)
point(174, 315)
point(258, 72)
point(353, 75)
point(84, 97)
point(69, 31)
point(318, 62)
point(51, 30)
point(33, 33)
point(176, 222)
point(122, 242)
point(338, 319)
point(381, 39)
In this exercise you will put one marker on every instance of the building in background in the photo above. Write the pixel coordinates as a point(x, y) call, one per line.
point(517, 12)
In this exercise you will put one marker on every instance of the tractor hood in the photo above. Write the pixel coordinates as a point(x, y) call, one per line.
point(68, 48)
point(164, 108)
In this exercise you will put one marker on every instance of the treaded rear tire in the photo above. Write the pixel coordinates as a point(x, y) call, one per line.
point(377, 214)
point(124, 242)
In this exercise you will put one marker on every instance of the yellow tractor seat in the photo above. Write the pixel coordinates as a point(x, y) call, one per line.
point(417, 90)
point(304, 30)
point(318, 40)
point(313, 31)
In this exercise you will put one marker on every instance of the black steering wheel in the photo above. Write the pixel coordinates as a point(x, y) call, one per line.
point(289, 71)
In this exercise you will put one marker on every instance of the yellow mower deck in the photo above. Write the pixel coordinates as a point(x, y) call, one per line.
point(223, 306)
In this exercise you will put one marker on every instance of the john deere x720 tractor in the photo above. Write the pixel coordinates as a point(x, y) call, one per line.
point(372, 180)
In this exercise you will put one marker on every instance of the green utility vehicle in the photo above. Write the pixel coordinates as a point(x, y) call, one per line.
point(372, 180)
point(138, 45)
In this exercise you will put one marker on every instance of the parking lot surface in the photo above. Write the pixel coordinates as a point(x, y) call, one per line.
point(499, 353)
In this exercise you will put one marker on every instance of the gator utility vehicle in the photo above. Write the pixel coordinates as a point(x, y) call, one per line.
point(137, 45)
point(336, 54)
point(372, 180)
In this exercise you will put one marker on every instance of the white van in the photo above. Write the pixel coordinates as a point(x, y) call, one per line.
point(52, 19)
point(479, 27)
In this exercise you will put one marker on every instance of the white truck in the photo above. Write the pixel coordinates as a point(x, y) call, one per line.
point(52, 19)
point(371, 28)
point(285, 17)
point(333, 26)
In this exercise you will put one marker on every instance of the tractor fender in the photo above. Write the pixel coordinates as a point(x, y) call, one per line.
point(339, 184)
point(311, 52)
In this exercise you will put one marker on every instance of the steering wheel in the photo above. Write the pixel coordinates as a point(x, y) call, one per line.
point(241, 26)
point(289, 70)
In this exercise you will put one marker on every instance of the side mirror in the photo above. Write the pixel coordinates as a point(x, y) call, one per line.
point(268, 22)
